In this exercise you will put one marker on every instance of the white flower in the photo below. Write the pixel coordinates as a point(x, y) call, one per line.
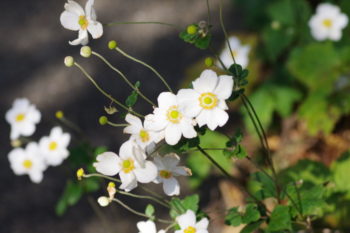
point(239, 51)
point(54, 147)
point(168, 170)
point(148, 227)
point(206, 101)
point(328, 22)
point(76, 19)
point(103, 201)
point(168, 117)
point(138, 133)
point(23, 118)
point(130, 164)
point(188, 223)
point(28, 161)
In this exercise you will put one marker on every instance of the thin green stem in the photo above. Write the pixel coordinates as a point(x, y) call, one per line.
point(116, 125)
point(146, 65)
point(139, 213)
point(208, 8)
point(218, 58)
point(143, 22)
point(105, 93)
point(124, 78)
point(144, 197)
point(102, 176)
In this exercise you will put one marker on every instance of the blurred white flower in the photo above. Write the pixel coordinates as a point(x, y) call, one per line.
point(148, 227)
point(23, 118)
point(130, 164)
point(76, 19)
point(138, 133)
point(239, 51)
point(28, 161)
point(189, 224)
point(328, 22)
point(103, 201)
point(168, 117)
point(206, 101)
point(54, 147)
point(168, 170)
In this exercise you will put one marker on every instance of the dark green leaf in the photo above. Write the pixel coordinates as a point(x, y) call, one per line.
point(233, 218)
point(251, 214)
point(280, 219)
point(251, 227)
point(131, 100)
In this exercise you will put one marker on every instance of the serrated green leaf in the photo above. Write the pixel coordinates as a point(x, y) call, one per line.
point(191, 202)
point(340, 169)
point(280, 219)
point(262, 186)
point(251, 214)
point(233, 218)
point(203, 43)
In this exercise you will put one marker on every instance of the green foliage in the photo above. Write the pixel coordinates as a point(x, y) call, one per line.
point(251, 227)
point(238, 151)
point(340, 169)
point(179, 207)
point(262, 186)
point(280, 219)
point(132, 98)
point(236, 218)
point(149, 211)
point(201, 38)
point(240, 75)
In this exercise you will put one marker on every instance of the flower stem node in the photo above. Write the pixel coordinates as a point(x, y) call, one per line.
point(192, 29)
point(69, 61)
point(112, 44)
point(103, 120)
point(103, 201)
point(209, 62)
point(85, 51)
point(80, 173)
point(59, 114)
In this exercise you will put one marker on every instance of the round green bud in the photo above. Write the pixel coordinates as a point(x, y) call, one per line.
point(112, 44)
point(59, 115)
point(192, 29)
point(85, 51)
point(69, 61)
point(103, 120)
point(209, 62)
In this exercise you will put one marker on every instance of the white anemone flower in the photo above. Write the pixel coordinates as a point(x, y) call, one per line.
point(130, 164)
point(138, 133)
point(168, 117)
point(28, 161)
point(239, 51)
point(188, 223)
point(206, 101)
point(23, 117)
point(328, 22)
point(148, 227)
point(54, 147)
point(76, 19)
point(168, 170)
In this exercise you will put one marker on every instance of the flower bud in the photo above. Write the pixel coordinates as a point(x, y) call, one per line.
point(103, 201)
point(111, 190)
point(208, 62)
point(192, 29)
point(80, 173)
point(103, 120)
point(69, 61)
point(85, 51)
point(112, 44)
point(59, 114)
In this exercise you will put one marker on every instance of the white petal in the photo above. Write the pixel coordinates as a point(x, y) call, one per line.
point(188, 102)
point(166, 99)
point(172, 134)
point(95, 28)
point(202, 118)
point(202, 224)
point(74, 8)
point(107, 164)
point(132, 129)
point(129, 181)
point(126, 150)
point(133, 120)
point(224, 87)
point(342, 21)
point(182, 171)
point(70, 21)
point(146, 227)
point(36, 176)
point(146, 174)
point(221, 116)
point(187, 219)
point(155, 122)
point(206, 82)
point(82, 39)
point(89, 9)
point(171, 160)
point(335, 35)
point(171, 186)
point(187, 129)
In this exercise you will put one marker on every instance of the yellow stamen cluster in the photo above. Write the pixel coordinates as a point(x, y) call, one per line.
point(174, 115)
point(80, 173)
point(208, 100)
point(327, 23)
point(144, 135)
point(190, 230)
point(165, 174)
point(128, 165)
point(20, 117)
point(27, 164)
point(83, 22)
point(53, 146)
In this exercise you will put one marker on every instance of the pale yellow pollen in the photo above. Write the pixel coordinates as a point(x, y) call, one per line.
point(234, 53)
point(128, 165)
point(165, 174)
point(144, 135)
point(27, 164)
point(20, 117)
point(174, 115)
point(83, 22)
point(190, 230)
point(327, 23)
point(53, 145)
point(208, 100)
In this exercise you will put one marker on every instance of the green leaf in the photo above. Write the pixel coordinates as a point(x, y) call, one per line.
point(282, 11)
point(149, 211)
point(73, 192)
point(280, 219)
point(233, 218)
point(277, 41)
point(61, 206)
point(132, 99)
point(191, 202)
point(251, 214)
point(203, 43)
point(262, 186)
point(178, 207)
point(340, 169)
point(251, 227)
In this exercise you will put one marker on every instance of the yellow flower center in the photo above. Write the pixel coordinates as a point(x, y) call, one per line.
point(53, 145)
point(190, 230)
point(234, 53)
point(27, 164)
point(165, 174)
point(208, 100)
point(20, 117)
point(327, 23)
point(83, 22)
point(174, 115)
point(144, 135)
point(128, 165)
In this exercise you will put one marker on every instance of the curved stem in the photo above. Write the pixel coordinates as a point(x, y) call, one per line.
point(102, 176)
point(116, 125)
point(105, 93)
point(208, 8)
point(143, 22)
point(144, 197)
point(146, 65)
point(123, 77)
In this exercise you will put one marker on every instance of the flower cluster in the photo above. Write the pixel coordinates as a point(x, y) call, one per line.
point(35, 157)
